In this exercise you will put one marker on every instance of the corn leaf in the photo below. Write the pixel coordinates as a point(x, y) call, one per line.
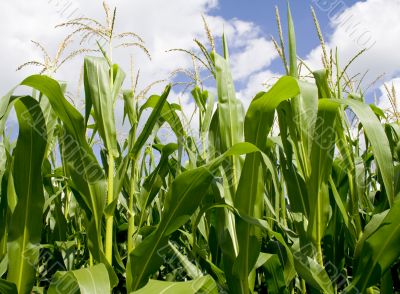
point(179, 205)
point(87, 177)
point(378, 250)
point(24, 233)
point(92, 280)
point(249, 195)
point(7, 287)
point(150, 123)
point(99, 91)
point(200, 285)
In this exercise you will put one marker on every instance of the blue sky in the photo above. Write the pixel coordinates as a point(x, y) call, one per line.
point(262, 13)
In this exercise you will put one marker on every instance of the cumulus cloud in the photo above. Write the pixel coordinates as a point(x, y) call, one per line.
point(162, 24)
point(370, 24)
point(256, 55)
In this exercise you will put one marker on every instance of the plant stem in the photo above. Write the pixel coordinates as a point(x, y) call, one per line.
point(131, 214)
point(303, 286)
point(110, 190)
point(318, 227)
point(110, 219)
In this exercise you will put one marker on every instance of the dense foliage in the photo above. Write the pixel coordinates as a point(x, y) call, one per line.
point(295, 195)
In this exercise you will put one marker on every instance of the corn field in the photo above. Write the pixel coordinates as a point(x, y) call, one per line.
point(296, 194)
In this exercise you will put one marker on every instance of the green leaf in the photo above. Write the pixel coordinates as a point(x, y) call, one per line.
point(153, 182)
point(378, 139)
point(81, 165)
point(292, 44)
point(92, 280)
point(130, 107)
point(230, 111)
point(167, 114)
point(321, 80)
point(192, 270)
point(7, 287)
point(150, 123)
point(273, 269)
point(24, 233)
point(321, 167)
point(250, 192)
point(313, 273)
point(101, 93)
point(379, 142)
point(200, 285)
point(379, 249)
point(179, 205)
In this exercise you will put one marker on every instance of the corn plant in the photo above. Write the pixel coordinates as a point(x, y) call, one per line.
point(308, 208)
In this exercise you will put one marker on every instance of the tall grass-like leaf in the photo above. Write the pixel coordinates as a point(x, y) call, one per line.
point(150, 123)
point(273, 273)
point(379, 250)
point(192, 270)
point(82, 166)
point(379, 142)
point(304, 107)
point(180, 204)
point(321, 166)
point(230, 109)
point(311, 271)
point(5, 170)
point(5, 108)
point(7, 287)
point(92, 280)
point(378, 139)
point(153, 182)
point(200, 285)
point(102, 85)
point(168, 114)
point(26, 221)
point(228, 126)
point(101, 96)
point(249, 196)
point(292, 44)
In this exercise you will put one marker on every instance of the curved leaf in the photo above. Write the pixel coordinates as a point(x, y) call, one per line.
point(150, 123)
point(92, 280)
point(379, 250)
point(26, 221)
point(200, 285)
point(250, 192)
point(101, 92)
point(180, 204)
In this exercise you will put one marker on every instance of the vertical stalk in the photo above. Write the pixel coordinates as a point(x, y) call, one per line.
point(203, 143)
point(110, 184)
point(90, 259)
point(283, 208)
point(110, 198)
point(131, 214)
point(67, 202)
point(303, 287)
point(318, 227)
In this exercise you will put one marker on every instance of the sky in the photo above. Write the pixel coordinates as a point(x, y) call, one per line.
point(347, 24)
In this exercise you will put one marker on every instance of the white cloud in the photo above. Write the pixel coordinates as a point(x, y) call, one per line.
point(256, 55)
point(369, 24)
point(162, 24)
